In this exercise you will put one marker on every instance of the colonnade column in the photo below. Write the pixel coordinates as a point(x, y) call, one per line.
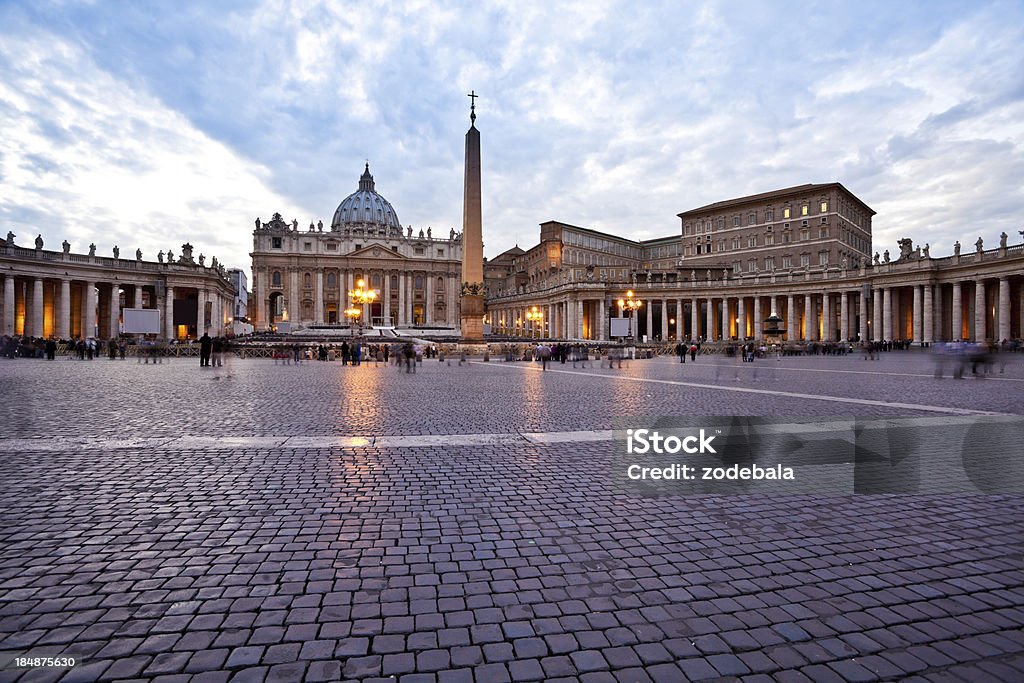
point(579, 319)
point(201, 315)
point(64, 316)
point(725, 319)
point(757, 317)
point(879, 304)
point(957, 331)
point(1004, 309)
point(90, 309)
point(918, 326)
point(808, 315)
point(791, 332)
point(37, 308)
point(928, 336)
point(709, 327)
point(115, 308)
point(602, 316)
point(844, 316)
point(694, 318)
point(664, 319)
point(9, 304)
point(741, 318)
point(680, 319)
point(168, 306)
point(826, 317)
point(650, 319)
point(863, 328)
point(980, 319)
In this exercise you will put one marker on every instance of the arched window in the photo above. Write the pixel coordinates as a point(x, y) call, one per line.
point(440, 284)
point(418, 282)
point(307, 280)
point(394, 282)
point(332, 280)
point(275, 278)
point(375, 280)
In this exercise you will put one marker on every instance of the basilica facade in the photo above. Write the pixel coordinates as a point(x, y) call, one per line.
point(302, 277)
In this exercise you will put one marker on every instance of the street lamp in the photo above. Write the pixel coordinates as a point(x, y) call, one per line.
point(354, 315)
point(360, 296)
point(632, 305)
point(535, 315)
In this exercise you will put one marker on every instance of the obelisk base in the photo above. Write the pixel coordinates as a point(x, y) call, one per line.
point(472, 318)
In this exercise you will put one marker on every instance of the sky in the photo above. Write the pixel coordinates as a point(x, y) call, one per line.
point(146, 125)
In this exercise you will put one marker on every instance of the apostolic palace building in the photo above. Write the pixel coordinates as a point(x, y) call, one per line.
point(803, 253)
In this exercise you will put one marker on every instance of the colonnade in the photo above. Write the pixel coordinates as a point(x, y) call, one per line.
point(68, 307)
point(975, 309)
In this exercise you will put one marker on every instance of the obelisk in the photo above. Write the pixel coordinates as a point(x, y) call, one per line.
point(472, 314)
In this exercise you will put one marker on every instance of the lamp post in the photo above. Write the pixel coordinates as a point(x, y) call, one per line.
point(535, 315)
point(354, 315)
point(360, 296)
point(632, 305)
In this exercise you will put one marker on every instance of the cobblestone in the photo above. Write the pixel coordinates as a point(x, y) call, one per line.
point(507, 559)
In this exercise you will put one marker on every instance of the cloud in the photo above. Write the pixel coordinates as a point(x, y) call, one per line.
point(88, 157)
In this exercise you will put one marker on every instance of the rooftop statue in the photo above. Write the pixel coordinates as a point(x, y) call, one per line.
point(160, 256)
point(319, 226)
point(39, 241)
point(877, 261)
point(1002, 241)
point(956, 248)
point(117, 252)
point(138, 254)
point(10, 238)
point(886, 256)
point(92, 250)
point(257, 222)
point(202, 260)
point(925, 250)
point(980, 245)
point(66, 246)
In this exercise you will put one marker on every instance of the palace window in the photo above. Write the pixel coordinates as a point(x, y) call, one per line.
point(805, 259)
point(822, 258)
point(307, 280)
point(332, 280)
point(752, 266)
point(787, 262)
point(331, 246)
point(752, 241)
point(394, 282)
point(769, 239)
point(375, 281)
point(824, 207)
point(308, 246)
point(275, 242)
point(769, 263)
point(418, 282)
point(769, 215)
point(440, 252)
point(419, 251)
point(785, 212)
point(735, 221)
point(440, 284)
point(804, 209)
point(751, 218)
point(275, 278)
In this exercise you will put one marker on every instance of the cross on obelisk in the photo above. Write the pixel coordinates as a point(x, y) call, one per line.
point(472, 105)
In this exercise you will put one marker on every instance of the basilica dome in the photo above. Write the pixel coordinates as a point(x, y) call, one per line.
point(365, 207)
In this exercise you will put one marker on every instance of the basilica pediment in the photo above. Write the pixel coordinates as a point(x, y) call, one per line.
point(377, 251)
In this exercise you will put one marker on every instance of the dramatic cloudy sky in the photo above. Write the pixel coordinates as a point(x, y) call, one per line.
point(149, 124)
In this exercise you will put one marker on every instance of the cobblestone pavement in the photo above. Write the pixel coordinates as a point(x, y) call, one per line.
point(237, 558)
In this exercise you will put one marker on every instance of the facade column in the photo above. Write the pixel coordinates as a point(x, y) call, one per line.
point(844, 316)
point(709, 327)
point(90, 309)
point(757, 318)
point(318, 299)
point(1004, 309)
point(741, 318)
point(401, 300)
point(928, 320)
point(792, 333)
point(664, 319)
point(918, 326)
point(293, 297)
point(9, 304)
point(201, 315)
point(115, 308)
point(957, 331)
point(980, 319)
point(680, 318)
point(64, 314)
point(579, 319)
point(602, 317)
point(808, 318)
point(428, 303)
point(136, 296)
point(37, 308)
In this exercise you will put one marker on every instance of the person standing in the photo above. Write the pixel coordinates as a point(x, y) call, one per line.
point(205, 347)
